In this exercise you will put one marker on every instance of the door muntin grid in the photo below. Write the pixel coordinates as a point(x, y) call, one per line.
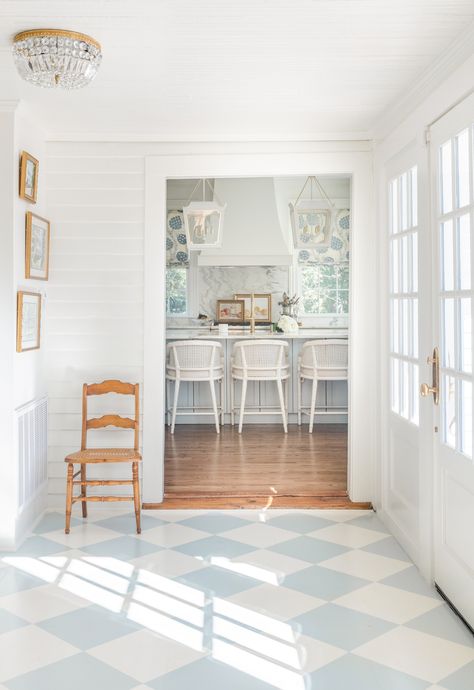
point(455, 229)
point(404, 362)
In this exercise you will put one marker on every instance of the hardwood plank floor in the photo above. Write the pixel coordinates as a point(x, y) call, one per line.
point(260, 467)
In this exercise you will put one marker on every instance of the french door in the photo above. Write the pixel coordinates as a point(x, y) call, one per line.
point(428, 468)
point(452, 156)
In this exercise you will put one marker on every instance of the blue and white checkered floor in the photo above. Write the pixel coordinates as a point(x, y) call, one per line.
point(247, 600)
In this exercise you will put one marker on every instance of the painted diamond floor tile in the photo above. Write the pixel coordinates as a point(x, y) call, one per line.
point(309, 549)
point(277, 602)
point(324, 583)
point(342, 627)
point(136, 655)
point(245, 600)
point(348, 535)
point(441, 622)
point(389, 603)
point(353, 673)
point(79, 672)
point(214, 523)
point(418, 654)
point(41, 602)
point(359, 563)
point(28, 648)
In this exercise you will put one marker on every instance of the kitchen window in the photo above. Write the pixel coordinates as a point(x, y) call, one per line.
point(177, 278)
point(324, 288)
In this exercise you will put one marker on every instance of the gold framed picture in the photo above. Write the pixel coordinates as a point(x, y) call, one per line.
point(37, 238)
point(29, 168)
point(262, 307)
point(28, 321)
point(230, 310)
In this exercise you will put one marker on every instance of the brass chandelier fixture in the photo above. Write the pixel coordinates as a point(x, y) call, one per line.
point(56, 58)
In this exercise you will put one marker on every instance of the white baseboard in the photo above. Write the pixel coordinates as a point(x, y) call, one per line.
point(26, 520)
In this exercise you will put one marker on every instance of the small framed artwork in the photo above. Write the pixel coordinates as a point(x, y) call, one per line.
point(37, 247)
point(262, 307)
point(29, 168)
point(230, 310)
point(28, 321)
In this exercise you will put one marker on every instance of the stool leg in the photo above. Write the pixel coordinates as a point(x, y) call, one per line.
point(175, 405)
point(214, 404)
point(232, 401)
point(83, 490)
point(282, 404)
point(168, 402)
point(222, 402)
point(136, 495)
point(313, 404)
point(299, 392)
point(70, 472)
point(242, 404)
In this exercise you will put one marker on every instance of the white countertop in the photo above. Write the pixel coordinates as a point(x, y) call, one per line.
point(234, 334)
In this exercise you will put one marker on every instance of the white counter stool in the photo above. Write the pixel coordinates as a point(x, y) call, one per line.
point(260, 360)
point(320, 360)
point(195, 361)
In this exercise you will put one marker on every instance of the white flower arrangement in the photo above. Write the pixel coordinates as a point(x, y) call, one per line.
point(287, 324)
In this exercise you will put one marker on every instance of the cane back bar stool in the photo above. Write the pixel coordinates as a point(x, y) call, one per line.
point(87, 456)
point(195, 361)
point(260, 360)
point(320, 360)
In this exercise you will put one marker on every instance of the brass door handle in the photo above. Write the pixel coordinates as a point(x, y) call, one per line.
point(425, 389)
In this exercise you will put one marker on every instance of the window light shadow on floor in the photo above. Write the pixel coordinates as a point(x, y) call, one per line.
point(251, 642)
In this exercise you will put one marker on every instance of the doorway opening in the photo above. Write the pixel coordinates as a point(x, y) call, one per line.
point(242, 284)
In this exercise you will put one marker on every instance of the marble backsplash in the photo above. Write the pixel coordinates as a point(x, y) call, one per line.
point(222, 282)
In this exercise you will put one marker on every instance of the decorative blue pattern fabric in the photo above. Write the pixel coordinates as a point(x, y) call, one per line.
point(176, 245)
point(338, 250)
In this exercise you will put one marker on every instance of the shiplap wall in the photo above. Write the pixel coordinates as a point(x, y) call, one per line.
point(95, 293)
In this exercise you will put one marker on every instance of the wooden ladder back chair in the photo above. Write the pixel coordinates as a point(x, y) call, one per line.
point(104, 455)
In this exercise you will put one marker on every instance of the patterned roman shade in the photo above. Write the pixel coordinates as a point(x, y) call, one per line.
point(176, 246)
point(338, 250)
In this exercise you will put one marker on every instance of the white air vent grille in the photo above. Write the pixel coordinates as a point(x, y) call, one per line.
point(32, 425)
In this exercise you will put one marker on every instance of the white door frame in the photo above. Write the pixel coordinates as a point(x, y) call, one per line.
point(363, 349)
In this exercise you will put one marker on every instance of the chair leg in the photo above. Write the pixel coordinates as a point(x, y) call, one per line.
point(83, 489)
point(299, 386)
point(313, 404)
point(242, 404)
point(282, 404)
point(69, 486)
point(136, 495)
point(175, 405)
point(214, 404)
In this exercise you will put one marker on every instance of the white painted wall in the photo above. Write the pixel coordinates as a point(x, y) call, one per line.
point(22, 374)
point(409, 514)
point(96, 294)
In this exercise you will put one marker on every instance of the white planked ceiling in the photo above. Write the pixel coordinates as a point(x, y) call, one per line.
point(235, 69)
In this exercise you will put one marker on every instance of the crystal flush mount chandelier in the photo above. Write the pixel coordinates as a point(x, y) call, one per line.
point(56, 58)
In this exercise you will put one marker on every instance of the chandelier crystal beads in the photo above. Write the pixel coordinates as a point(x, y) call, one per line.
point(56, 58)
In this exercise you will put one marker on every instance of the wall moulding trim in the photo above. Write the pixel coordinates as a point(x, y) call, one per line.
point(438, 71)
point(362, 385)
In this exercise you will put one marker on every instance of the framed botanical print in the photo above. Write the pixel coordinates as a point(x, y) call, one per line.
point(262, 307)
point(29, 168)
point(28, 321)
point(230, 311)
point(37, 247)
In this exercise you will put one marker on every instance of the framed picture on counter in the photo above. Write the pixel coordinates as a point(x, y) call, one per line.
point(36, 247)
point(230, 310)
point(28, 321)
point(262, 307)
point(29, 167)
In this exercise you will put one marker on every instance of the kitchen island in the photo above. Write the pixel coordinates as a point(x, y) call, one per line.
point(331, 400)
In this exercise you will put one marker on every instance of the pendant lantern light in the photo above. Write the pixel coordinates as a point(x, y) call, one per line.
point(203, 220)
point(312, 220)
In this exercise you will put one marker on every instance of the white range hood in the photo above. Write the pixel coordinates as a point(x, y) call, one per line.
point(252, 232)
